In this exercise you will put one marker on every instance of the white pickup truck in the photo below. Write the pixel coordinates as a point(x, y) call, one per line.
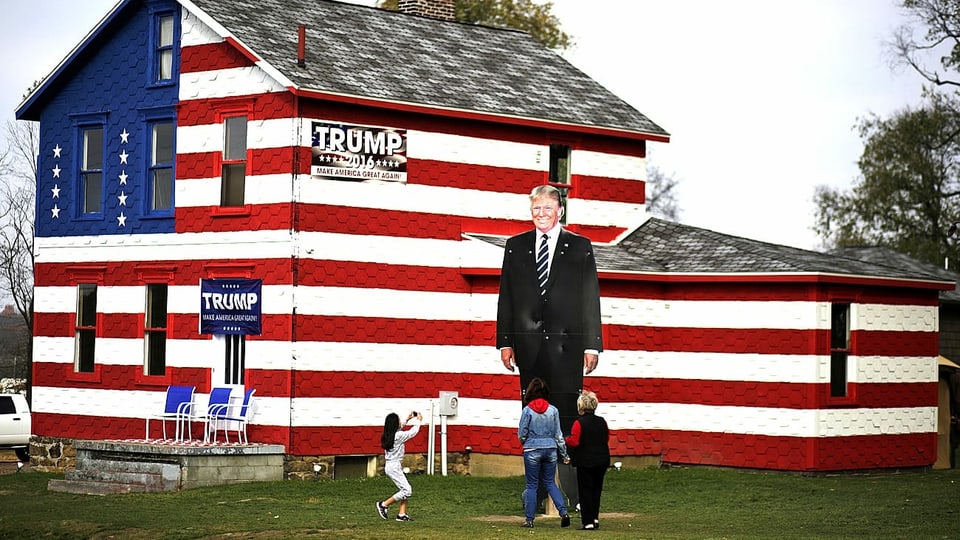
point(15, 424)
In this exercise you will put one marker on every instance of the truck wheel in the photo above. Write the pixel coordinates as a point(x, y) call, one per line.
point(23, 454)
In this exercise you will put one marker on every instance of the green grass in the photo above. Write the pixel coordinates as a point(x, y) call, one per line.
point(675, 503)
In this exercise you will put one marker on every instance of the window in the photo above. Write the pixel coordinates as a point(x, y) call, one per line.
point(234, 161)
point(560, 174)
point(163, 53)
point(839, 348)
point(234, 358)
point(91, 169)
point(155, 330)
point(86, 328)
point(161, 167)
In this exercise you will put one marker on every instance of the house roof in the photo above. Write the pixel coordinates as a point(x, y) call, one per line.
point(664, 247)
point(373, 55)
point(888, 257)
point(376, 54)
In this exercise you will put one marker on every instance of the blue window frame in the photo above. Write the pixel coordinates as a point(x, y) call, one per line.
point(160, 168)
point(91, 170)
point(163, 36)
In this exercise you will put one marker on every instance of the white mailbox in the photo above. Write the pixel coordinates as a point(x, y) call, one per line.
point(448, 403)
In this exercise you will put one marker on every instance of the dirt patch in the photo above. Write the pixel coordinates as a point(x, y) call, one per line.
point(573, 517)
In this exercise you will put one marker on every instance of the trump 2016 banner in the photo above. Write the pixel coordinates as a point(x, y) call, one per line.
point(358, 152)
point(230, 306)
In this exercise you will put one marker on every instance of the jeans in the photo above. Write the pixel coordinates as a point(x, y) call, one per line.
point(541, 464)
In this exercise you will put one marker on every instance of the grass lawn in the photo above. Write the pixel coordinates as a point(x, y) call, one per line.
point(675, 503)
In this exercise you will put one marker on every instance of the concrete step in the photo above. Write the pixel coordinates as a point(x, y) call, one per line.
point(102, 476)
point(89, 487)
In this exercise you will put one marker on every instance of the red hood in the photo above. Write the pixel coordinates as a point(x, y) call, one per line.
point(539, 405)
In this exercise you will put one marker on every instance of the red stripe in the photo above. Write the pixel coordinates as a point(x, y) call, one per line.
point(703, 448)
point(599, 188)
point(390, 330)
point(117, 377)
point(429, 172)
point(182, 272)
point(260, 161)
point(256, 217)
point(479, 117)
point(891, 343)
point(366, 439)
point(354, 329)
point(364, 275)
point(200, 112)
point(765, 340)
point(798, 453)
point(378, 222)
point(276, 327)
point(351, 384)
point(211, 57)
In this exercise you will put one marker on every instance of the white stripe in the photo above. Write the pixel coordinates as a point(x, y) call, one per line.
point(230, 82)
point(258, 189)
point(775, 422)
point(348, 412)
point(276, 299)
point(601, 164)
point(272, 411)
point(472, 150)
point(485, 359)
point(892, 369)
point(268, 133)
point(357, 302)
point(900, 318)
point(193, 31)
point(174, 246)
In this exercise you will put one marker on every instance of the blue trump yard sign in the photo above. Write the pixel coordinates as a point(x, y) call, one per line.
point(230, 306)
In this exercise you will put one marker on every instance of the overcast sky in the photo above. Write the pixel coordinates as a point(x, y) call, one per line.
point(760, 97)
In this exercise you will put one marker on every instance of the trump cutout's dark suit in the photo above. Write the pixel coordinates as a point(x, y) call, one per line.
point(550, 333)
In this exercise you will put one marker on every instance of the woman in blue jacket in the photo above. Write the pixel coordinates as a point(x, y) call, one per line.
point(542, 443)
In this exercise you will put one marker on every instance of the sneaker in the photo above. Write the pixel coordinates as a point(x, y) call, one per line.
point(382, 510)
point(527, 524)
point(587, 527)
point(404, 517)
point(596, 524)
point(565, 520)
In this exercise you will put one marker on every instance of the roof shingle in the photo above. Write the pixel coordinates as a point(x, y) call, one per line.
point(373, 53)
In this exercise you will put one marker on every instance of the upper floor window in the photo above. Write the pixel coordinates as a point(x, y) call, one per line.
point(160, 175)
point(839, 348)
point(155, 330)
point(163, 47)
point(91, 169)
point(85, 332)
point(560, 174)
point(234, 163)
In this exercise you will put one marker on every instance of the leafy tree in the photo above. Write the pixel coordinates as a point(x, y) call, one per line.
point(906, 198)
point(526, 15)
point(662, 194)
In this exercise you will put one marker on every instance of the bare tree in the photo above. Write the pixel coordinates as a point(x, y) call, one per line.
point(941, 41)
point(662, 194)
point(18, 173)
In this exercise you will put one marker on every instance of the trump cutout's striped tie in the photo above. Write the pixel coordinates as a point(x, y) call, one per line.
point(542, 265)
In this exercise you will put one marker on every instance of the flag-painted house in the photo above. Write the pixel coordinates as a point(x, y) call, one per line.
point(356, 172)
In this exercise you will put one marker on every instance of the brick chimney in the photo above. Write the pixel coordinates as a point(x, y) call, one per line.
point(436, 9)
